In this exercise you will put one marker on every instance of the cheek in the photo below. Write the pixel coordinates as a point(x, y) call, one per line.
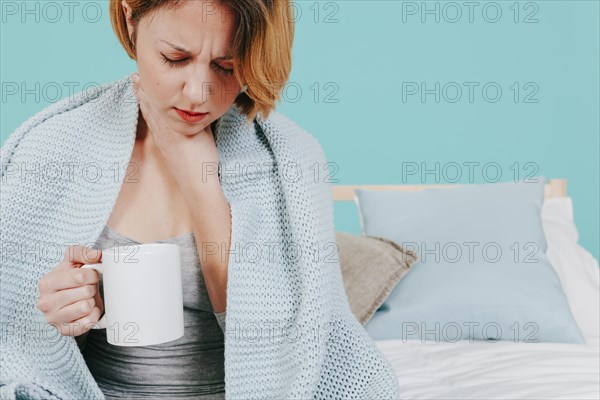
point(227, 93)
point(151, 70)
point(156, 82)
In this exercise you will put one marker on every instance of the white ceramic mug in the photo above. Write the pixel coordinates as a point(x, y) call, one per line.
point(143, 299)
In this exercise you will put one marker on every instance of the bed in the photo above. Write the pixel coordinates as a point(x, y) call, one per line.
point(475, 369)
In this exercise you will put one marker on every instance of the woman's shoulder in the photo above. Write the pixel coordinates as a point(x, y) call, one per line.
point(111, 91)
point(290, 131)
point(69, 116)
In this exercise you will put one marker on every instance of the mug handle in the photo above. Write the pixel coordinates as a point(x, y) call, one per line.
point(101, 324)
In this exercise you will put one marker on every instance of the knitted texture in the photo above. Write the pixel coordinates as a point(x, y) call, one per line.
point(290, 331)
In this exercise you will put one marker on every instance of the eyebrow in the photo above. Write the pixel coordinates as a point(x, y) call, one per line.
point(181, 49)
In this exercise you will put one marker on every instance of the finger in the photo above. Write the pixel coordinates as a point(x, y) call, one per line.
point(79, 326)
point(77, 254)
point(74, 311)
point(63, 264)
point(86, 323)
point(69, 278)
point(50, 303)
point(98, 297)
point(66, 297)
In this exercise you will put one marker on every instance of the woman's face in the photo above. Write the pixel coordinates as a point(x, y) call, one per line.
point(199, 78)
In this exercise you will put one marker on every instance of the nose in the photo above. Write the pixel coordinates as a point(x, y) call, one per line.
point(198, 86)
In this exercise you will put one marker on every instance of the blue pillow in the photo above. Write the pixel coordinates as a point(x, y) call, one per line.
point(483, 273)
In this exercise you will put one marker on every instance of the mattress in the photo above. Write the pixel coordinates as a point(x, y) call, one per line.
point(494, 370)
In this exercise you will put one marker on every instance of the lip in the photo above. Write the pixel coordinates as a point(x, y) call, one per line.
point(188, 116)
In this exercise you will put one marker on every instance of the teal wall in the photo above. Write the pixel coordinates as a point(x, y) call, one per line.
point(359, 67)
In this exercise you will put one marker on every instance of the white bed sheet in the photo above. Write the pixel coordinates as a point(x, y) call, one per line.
point(500, 370)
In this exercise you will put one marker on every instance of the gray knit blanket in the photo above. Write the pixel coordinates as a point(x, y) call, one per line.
point(290, 332)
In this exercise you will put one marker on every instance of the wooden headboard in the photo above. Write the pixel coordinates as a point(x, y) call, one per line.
point(554, 188)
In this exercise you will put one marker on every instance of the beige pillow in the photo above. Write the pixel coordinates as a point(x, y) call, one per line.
point(371, 268)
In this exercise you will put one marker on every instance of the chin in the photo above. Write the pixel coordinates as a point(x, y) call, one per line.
point(192, 131)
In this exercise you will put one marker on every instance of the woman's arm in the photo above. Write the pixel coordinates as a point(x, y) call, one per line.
point(186, 158)
point(211, 221)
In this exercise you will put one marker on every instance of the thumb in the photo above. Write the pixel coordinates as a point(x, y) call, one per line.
point(77, 254)
point(98, 300)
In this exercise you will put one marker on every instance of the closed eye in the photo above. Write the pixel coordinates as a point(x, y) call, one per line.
point(179, 63)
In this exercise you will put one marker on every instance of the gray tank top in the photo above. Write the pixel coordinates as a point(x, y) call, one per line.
point(191, 367)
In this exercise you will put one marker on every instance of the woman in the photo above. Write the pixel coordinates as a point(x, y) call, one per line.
point(188, 57)
point(193, 57)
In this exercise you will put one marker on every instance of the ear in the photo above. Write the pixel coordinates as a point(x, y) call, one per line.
point(127, 11)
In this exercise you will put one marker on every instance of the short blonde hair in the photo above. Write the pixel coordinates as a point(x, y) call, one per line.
point(261, 48)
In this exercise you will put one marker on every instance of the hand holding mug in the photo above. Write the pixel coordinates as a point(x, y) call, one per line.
point(183, 148)
point(69, 296)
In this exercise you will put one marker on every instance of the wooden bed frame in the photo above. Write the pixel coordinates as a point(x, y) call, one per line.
point(554, 188)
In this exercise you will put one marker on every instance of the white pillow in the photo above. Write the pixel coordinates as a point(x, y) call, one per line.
point(576, 268)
